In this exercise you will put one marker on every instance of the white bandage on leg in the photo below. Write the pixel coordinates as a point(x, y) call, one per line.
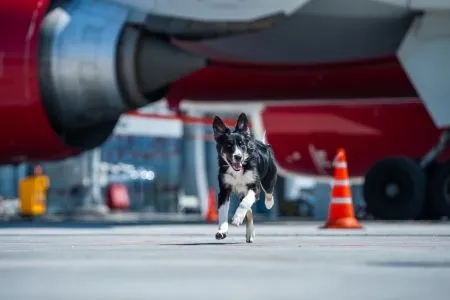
point(223, 217)
point(243, 207)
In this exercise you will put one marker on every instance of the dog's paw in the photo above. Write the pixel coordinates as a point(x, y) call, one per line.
point(250, 236)
point(237, 219)
point(269, 201)
point(250, 239)
point(221, 235)
point(239, 215)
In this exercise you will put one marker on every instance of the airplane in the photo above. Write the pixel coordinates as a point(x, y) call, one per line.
point(338, 70)
point(369, 76)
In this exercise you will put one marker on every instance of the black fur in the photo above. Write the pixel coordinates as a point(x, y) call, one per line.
point(257, 157)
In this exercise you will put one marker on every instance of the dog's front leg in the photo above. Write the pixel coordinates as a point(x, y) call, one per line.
point(223, 206)
point(243, 207)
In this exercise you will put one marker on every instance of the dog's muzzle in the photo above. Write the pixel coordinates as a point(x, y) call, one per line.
point(237, 162)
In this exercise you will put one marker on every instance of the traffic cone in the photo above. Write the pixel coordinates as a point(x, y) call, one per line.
point(341, 213)
point(211, 214)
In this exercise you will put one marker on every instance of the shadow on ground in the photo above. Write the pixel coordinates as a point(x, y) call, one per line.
point(412, 264)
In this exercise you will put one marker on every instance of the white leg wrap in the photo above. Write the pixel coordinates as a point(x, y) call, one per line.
point(243, 207)
point(223, 217)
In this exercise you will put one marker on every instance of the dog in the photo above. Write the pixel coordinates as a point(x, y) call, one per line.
point(246, 166)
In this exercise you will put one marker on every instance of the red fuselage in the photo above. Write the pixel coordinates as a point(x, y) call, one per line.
point(374, 112)
point(305, 137)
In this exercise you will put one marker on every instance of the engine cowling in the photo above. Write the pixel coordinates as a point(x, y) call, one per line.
point(95, 66)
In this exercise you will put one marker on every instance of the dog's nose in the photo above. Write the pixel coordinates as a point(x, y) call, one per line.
point(237, 157)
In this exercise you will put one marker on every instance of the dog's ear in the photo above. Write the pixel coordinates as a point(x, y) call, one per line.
point(242, 124)
point(219, 127)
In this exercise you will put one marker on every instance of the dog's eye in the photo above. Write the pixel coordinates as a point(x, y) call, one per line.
point(229, 146)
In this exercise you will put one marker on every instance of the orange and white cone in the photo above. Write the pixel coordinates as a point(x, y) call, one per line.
point(341, 213)
point(211, 214)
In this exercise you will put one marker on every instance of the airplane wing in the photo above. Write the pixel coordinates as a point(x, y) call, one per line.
point(420, 4)
point(195, 19)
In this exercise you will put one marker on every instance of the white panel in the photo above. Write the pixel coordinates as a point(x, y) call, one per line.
point(147, 126)
point(425, 55)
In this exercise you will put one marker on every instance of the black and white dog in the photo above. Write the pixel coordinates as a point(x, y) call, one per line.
point(246, 166)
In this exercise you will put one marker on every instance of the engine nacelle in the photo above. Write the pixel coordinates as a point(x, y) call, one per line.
point(95, 65)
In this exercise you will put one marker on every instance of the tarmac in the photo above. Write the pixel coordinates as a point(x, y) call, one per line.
point(288, 260)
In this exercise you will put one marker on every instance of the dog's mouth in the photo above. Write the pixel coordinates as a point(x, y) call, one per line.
point(237, 166)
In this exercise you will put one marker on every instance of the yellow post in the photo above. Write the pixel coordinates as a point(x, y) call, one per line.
point(33, 195)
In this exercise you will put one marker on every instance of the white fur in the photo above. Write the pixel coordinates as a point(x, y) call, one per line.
point(269, 201)
point(237, 151)
point(263, 140)
point(243, 207)
point(238, 180)
point(245, 156)
point(223, 217)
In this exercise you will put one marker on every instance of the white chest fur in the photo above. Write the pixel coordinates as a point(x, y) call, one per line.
point(238, 180)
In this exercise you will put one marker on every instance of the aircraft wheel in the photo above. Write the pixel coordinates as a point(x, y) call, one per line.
point(439, 190)
point(394, 189)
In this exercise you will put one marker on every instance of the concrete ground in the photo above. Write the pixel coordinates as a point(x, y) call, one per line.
point(287, 261)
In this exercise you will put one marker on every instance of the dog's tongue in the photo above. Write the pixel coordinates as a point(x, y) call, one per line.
point(237, 166)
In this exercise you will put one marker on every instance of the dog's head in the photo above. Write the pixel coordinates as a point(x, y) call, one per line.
point(234, 148)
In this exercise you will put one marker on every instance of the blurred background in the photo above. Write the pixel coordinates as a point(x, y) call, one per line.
point(163, 166)
point(108, 115)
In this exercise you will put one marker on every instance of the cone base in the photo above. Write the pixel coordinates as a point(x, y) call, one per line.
point(343, 223)
point(211, 218)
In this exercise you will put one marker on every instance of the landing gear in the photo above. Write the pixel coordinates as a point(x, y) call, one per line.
point(400, 188)
point(394, 189)
point(443, 143)
point(439, 191)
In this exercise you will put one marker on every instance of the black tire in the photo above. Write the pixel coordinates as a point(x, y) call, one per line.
point(439, 190)
point(410, 181)
point(427, 212)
